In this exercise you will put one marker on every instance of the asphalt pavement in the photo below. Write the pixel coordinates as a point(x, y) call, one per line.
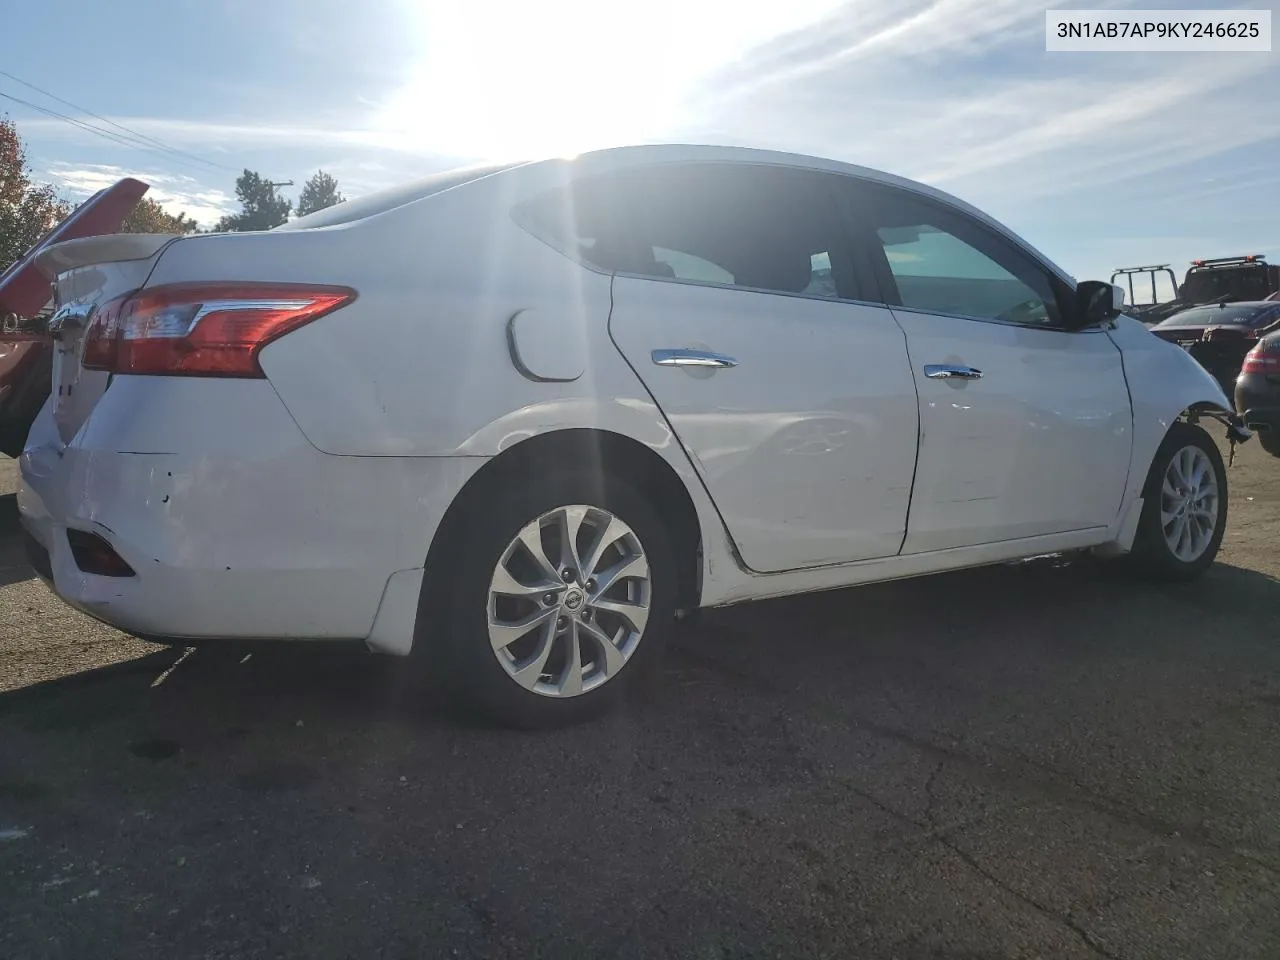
point(1043, 760)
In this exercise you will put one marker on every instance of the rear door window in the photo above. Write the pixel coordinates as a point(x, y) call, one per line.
point(753, 226)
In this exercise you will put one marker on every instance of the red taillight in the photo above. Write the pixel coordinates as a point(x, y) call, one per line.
point(202, 329)
point(1263, 360)
point(100, 337)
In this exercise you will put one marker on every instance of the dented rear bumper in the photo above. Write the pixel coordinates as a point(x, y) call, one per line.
point(232, 524)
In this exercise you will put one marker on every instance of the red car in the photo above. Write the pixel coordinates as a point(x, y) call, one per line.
point(26, 347)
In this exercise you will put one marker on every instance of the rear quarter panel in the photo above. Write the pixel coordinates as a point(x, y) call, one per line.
point(419, 365)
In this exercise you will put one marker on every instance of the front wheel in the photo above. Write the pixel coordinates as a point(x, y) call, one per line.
point(561, 594)
point(1184, 509)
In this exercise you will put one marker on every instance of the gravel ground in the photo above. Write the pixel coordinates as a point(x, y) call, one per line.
point(1034, 761)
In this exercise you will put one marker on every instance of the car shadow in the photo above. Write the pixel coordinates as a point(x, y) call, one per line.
point(975, 620)
point(13, 563)
point(969, 621)
point(837, 709)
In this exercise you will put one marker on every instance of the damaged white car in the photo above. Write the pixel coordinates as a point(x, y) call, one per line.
point(510, 422)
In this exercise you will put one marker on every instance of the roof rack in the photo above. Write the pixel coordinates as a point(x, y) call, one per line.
point(1127, 270)
point(1128, 273)
point(1223, 261)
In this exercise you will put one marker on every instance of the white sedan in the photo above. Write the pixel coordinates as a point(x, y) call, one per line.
point(511, 422)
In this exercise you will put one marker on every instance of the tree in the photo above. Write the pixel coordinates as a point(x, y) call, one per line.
point(149, 217)
point(27, 210)
point(320, 191)
point(261, 207)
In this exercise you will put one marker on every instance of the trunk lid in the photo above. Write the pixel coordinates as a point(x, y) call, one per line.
point(87, 273)
point(1184, 336)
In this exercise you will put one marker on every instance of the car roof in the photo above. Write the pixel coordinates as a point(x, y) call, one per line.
point(1230, 304)
point(541, 174)
point(622, 157)
point(1201, 309)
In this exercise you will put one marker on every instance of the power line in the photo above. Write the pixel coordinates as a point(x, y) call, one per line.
point(114, 137)
point(119, 126)
point(89, 128)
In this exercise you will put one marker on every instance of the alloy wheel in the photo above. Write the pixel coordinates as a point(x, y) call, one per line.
point(1189, 503)
point(569, 601)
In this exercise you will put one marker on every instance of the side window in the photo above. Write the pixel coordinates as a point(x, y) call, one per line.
point(735, 225)
point(944, 262)
point(686, 266)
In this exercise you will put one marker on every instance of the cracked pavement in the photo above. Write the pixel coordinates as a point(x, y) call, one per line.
point(1043, 760)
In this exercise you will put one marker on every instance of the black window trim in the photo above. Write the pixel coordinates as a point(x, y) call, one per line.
point(857, 264)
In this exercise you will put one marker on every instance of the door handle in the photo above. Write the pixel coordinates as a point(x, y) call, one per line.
point(692, 358)
point(947, 371)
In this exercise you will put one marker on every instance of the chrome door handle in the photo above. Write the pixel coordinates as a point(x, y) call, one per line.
point(691, 358)
point(947, 371)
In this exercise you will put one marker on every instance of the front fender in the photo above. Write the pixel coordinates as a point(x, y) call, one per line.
point(1164, 382)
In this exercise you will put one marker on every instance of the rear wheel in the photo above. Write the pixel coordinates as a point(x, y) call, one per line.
point(561, 595)
point(1184, 509)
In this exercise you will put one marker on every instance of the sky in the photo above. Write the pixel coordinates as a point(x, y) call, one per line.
point(1098, 159)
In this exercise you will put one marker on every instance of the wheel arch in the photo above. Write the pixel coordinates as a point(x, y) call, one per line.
point(606, 451)
point(1166, 385)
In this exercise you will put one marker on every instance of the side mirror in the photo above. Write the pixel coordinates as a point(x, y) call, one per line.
point(1097, 302)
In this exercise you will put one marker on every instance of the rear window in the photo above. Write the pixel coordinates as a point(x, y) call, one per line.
point(755, 226)
point(1246, 282)
point(384, 200)
point(1245, 315)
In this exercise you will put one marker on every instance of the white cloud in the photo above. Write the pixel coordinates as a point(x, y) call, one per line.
point(1099, 129)
point(913, 28)
point(175, 193)
point(214, 140)
point(960, 93)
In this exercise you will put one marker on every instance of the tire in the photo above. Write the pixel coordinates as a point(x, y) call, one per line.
point(1202, 498)
point(462, 601)
point(1269, 440)
point(13, 438)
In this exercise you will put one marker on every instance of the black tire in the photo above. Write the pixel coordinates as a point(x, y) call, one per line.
point(1152, 555)
point(13, 438)
point(1269, 440)
point(451, 638)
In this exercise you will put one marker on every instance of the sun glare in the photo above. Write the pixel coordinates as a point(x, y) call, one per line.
point(509, 80)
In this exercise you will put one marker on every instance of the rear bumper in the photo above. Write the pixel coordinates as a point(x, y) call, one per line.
point(1262, 419)
point(235, 526)
point(1258, 402)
